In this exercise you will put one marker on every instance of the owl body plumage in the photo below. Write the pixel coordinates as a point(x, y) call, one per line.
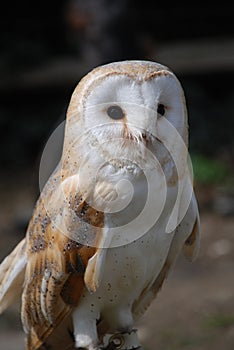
point(114, 215)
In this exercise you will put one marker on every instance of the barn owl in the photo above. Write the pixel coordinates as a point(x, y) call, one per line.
point(113, 216)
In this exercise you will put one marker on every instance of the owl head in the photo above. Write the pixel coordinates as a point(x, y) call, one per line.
point(121, 109)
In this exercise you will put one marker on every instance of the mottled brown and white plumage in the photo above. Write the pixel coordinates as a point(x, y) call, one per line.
point(91, 262)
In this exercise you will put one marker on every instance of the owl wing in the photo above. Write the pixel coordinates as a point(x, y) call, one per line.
point(190, 227)
point(187, 240)
point(54, 281)
point(52, 268)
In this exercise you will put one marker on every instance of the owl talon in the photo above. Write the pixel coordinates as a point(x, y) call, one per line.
point(122, 341)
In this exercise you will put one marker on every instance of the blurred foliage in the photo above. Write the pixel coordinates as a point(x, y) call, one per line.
point(208, 171)
point(176, 340)
point(204, 336)
point(219, 321)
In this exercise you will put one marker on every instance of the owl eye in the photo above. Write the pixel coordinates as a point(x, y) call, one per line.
point(115, 112)
point(161, 109)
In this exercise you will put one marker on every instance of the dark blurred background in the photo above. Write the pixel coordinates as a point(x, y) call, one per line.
point(46, 47)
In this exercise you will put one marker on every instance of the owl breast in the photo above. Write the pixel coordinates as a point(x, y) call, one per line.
point(137, 247)
point(127, 273)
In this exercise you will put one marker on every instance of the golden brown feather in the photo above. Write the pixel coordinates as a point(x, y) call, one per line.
point(54, 277)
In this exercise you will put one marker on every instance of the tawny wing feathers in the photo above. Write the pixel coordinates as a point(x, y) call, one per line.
point(50, 267)
point(54, 278)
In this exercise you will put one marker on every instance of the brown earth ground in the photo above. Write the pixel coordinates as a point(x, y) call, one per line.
point(194, 310)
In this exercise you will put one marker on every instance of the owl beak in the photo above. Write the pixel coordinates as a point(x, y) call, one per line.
point(145, 138)
point(137, 135)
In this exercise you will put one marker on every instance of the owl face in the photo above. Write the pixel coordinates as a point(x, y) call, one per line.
point(135, 102)
point(122, 108)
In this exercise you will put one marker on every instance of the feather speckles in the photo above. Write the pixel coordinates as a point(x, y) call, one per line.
point(38, 244)
point(54, 275)
point(70, 245)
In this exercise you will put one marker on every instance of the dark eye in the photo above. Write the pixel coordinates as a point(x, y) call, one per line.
point(161, 109)
point(115, 112)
